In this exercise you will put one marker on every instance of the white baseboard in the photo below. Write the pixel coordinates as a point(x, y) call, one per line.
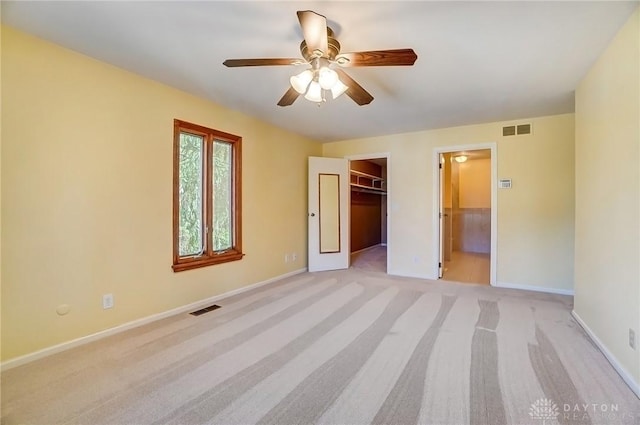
point(365, 249)
point(626, 376)
point(27, 358)
point(412, 275)
point(534, 288)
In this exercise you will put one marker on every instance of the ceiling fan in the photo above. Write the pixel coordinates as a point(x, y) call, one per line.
point(321, 51)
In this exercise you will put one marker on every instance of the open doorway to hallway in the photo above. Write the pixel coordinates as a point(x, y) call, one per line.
point(466, 207)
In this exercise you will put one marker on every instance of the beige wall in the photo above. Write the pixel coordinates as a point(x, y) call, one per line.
point(535, 217)
point(86, 196)
point(608, 197)
point(475, 183)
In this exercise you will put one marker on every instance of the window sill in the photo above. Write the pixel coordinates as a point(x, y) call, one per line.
point(196, 263)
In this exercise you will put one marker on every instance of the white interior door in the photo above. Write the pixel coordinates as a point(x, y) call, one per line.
point(441, 215)
point(328, 214)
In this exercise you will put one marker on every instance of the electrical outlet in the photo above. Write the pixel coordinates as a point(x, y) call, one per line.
point(632, 338)
point(294, 257)
point(107, 301)
point(286, 258)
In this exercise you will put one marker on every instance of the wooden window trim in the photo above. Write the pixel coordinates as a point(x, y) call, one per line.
point(208, 257)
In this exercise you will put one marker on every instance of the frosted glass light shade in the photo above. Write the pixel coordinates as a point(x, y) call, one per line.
point(314, 93)
point(301, 81)
point(327, 78)
point(460, 158)
point(338, 88)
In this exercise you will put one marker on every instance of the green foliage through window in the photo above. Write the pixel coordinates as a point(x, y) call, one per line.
point(222, 217)
point(190, 189)
point(206, 212)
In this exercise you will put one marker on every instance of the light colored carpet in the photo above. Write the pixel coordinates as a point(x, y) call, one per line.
point(347, 347)
point(372, 259)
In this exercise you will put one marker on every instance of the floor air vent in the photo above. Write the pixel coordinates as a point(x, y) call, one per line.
point(205, 310)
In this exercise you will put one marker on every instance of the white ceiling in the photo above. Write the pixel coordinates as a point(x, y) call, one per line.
point(477, 61)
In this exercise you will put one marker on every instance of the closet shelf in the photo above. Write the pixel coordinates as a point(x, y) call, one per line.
point(367, 183)
point(356, 186)
point(367, 189)
point(367, 176)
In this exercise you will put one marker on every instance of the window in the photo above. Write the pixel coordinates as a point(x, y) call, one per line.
point(206, 197)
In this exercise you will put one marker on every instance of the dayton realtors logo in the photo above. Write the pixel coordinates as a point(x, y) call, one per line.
point(547, 410)
point(544, 409)
point(595, 412)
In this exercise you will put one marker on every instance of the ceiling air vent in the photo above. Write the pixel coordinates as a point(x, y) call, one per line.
point(524, 129)
point(509, 130)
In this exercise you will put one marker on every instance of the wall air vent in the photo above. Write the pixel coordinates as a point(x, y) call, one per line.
point(205, 310)
point(524, 129)
point(519, 129)
point(509, 130)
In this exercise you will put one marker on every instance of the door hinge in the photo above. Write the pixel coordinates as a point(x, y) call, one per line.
point(440, 164)
point(440, 265)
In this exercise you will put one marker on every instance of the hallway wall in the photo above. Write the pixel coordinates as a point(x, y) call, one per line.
point(472, 215)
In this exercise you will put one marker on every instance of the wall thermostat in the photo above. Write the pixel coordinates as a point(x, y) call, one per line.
point(504, 184)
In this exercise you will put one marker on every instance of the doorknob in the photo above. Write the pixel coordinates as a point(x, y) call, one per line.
point(312, 214)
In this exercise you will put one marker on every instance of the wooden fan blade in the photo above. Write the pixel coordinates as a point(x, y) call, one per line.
point(314, 28)
point(289, 97)
point(355, 90)
point(397, 57)
point(232, 63)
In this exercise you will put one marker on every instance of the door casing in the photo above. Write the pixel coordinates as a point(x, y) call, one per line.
point(494, 203)
point(387, 156)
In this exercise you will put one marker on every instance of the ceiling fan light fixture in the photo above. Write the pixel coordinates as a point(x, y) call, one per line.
point(300, 82)
point(338, 89)
point(321, 53)
point(314, 93)
point(327, 78)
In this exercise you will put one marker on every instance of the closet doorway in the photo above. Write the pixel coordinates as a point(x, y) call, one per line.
point(465, 218)
point(368, 214)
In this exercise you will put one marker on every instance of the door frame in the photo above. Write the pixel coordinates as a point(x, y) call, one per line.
point(441, 216)
point(378, 155)
point(493, 256)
